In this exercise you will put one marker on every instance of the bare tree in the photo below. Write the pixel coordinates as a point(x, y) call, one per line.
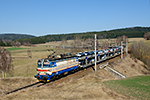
point(140, 50)
point(77, 42)
point(89, 43)
point(123, 38)
point(63, 42)
point(5, 62)
point(105, 45)
point(147, 36)
point(18, 43)
point(27, 44)
point(76, 45)
point(29, 53)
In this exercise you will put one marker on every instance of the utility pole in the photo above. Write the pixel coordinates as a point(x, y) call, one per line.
point(121, 49)
point(126, 46)
point(95, 54)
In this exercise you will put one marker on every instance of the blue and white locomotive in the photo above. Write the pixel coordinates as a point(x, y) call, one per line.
point(50, 68)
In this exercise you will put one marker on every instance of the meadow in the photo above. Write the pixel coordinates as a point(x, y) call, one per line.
point(24, 66)
point(14, 48)
point(137, 86)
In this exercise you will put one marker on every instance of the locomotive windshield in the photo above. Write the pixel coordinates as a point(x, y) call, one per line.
point(43, 63)
point(39, 64)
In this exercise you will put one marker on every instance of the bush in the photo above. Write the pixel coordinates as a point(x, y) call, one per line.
point(141, 50)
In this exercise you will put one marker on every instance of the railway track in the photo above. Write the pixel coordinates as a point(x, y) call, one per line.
point(34, 85)
point(73, 75)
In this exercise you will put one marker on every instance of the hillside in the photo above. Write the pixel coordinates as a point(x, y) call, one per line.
point(129, 32)
point(14, 36)
point(85, 86)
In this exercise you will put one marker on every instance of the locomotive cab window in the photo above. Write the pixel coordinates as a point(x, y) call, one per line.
point(46, 64)
point(39, 64)
point(43, 64)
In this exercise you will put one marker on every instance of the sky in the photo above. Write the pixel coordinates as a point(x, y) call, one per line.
point(44, 17)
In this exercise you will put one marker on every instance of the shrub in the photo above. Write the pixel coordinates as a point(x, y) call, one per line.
point(141, 50)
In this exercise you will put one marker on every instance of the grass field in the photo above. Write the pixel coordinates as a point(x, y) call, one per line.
point(25, 66)
point(14, 48)
point(138, 86)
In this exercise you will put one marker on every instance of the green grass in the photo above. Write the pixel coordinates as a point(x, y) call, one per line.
point(131, 41)
point(14, 48)
point(138, 87)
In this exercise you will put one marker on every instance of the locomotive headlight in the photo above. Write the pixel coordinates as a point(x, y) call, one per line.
point(49, 73)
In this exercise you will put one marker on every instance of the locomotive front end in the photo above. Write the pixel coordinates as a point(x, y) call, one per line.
point(44, 72)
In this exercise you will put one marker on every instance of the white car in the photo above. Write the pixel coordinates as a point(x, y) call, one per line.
point(79, 54)
point(111, 50)
point(101, 52)
point(106, 50)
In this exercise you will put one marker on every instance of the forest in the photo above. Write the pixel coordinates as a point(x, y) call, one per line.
point(7, 39)
point(12, 36)
point(132, 32)
point(23, 39)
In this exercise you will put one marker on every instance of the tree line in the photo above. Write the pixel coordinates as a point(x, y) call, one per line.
point(9, 43)
point(29, 40)
point(12, 36)
point(129, 32)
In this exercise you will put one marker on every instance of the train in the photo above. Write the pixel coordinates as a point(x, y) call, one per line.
point(50, 68)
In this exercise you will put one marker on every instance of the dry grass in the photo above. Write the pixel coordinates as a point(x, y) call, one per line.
point(22, 66)
point(9, 84)
point(88, 87)
point(136, 39)
point(129, 67)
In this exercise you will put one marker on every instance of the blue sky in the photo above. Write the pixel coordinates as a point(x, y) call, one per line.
point(42, 17)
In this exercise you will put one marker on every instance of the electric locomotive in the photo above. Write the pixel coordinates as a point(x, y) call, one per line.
point(49, 68)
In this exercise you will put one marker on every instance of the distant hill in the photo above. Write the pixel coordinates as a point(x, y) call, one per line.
point(129, 32)
point(14, 36)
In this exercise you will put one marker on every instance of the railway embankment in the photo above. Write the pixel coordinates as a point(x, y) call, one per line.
point(83, 84)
